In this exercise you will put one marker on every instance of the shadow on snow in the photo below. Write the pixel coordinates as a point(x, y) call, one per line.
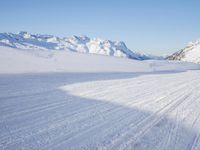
point(36, 115)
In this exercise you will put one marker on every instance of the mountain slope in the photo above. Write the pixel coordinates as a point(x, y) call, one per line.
point(191, 53)
point(82, 44)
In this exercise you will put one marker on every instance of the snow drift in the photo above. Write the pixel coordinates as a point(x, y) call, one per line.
point(34, 61)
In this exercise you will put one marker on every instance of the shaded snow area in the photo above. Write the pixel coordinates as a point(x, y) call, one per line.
point(65, 100)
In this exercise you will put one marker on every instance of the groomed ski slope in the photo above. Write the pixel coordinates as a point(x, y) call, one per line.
point(113, 109)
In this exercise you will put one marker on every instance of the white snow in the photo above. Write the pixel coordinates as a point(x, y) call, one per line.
point(35, 61)
point(151, 111)
point(82, 44)
point(66, 100)
point(191, 53)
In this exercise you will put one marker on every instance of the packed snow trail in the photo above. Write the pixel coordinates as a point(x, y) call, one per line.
point(100, 111)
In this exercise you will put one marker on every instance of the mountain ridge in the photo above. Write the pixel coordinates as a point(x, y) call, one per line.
point(82, 44)
point(191, 53)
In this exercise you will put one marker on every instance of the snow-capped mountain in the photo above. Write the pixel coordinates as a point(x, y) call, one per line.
point(82, 44)
point(191, 53)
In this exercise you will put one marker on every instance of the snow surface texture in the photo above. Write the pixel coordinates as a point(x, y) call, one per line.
point(82, 44)
point(66, 100)
point(191, 53)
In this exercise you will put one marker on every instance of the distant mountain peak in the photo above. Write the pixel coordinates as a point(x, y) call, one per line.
point(82, 44)
point(191, 53)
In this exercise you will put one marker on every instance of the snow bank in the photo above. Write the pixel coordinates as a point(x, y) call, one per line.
point(37, 61)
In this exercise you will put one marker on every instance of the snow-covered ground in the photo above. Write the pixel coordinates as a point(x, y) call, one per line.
point(40, 61)
point(66, 100)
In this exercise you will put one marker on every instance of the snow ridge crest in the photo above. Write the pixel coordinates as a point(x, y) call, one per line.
point(82, 44)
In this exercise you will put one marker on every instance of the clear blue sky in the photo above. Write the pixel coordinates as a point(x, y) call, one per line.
point(149, 26)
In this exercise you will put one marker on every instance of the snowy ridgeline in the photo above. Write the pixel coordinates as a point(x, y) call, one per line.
point(191, 53)
point(82, 44)
point(36, 61)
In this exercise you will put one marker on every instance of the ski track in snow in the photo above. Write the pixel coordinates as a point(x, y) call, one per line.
point(86, 111)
